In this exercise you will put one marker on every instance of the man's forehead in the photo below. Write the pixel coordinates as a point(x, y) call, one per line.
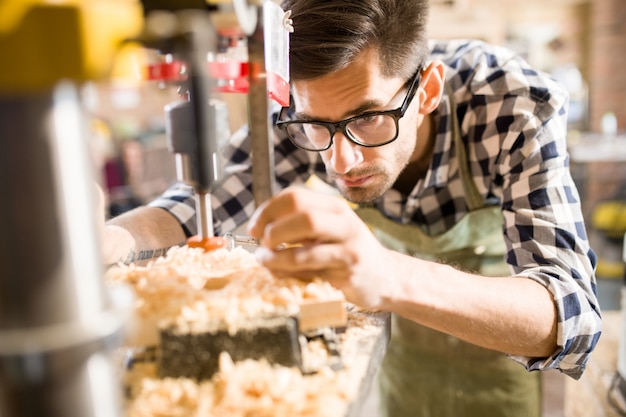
point(346, 93)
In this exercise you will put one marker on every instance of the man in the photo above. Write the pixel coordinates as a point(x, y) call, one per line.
point(456, 154)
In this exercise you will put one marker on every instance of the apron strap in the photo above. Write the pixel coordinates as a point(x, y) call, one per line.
point(472, 197)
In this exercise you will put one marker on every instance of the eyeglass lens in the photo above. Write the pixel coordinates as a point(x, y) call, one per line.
point(366, 130)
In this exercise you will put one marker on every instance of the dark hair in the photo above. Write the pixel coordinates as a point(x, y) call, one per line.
point(329, 34)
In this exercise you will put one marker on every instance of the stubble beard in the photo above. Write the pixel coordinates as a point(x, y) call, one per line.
point(384, 173)
point(383, 178)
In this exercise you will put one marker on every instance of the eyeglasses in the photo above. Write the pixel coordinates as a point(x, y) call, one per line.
point(371, 129)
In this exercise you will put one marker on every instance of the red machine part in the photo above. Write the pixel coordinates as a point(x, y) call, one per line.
point(233, 76)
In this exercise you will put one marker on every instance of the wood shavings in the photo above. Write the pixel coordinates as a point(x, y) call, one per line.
point(254, 388)
point(246, 388)
point(314, 355)
point(173, 291)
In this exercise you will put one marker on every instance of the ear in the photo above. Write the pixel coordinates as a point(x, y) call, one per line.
point(431, 87)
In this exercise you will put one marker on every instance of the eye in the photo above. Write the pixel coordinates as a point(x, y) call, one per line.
point(367, 121)
point(370, 117)
point(317, 128)
point(314, 130)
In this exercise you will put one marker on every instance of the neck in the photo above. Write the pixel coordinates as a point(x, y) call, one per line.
point(418, 166)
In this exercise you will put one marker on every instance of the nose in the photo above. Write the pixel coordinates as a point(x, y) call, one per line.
point(345, 154)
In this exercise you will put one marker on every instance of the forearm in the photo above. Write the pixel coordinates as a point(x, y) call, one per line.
point(508, 314)
point(140, 234)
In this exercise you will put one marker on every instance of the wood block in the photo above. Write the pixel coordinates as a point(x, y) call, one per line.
point(316, 314)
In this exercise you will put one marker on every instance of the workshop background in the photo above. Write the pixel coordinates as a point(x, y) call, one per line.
point(580, 42)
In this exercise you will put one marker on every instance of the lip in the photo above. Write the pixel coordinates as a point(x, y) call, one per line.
point(355, 182)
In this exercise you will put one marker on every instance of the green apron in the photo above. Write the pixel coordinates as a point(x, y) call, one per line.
point(431, 374)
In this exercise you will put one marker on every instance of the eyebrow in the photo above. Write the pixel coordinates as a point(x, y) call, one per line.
point(364, 107)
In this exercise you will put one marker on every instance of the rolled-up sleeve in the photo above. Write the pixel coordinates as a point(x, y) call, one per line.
point(546, 236)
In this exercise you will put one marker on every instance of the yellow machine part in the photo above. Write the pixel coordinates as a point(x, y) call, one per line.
point(610, 217)
point(43, 42)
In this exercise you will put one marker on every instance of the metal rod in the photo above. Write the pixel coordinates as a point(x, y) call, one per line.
point(205, 215)
point(262, 149)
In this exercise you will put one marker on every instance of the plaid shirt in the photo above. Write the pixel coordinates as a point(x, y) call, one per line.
point(513, 123)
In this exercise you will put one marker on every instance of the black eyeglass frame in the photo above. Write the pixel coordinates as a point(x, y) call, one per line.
point(340, 126)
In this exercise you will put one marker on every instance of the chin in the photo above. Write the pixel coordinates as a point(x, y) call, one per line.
point(362, 195)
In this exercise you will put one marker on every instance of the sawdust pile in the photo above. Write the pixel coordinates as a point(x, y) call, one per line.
point(192, 289)
point(255, 388)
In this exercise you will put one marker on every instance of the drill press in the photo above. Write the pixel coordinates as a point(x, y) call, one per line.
point(196, 127)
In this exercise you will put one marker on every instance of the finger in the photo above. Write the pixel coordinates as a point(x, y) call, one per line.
point(287, 264)
point(303, 229)
point(306, 260)
point(282, 204)
point(299, 216)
